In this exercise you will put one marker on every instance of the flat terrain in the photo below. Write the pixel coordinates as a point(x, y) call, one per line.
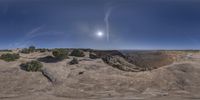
point(93, 79)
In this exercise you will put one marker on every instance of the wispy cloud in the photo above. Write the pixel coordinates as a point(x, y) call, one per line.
point(34, 31)
point(106, 19)
point(27, 40)
point(109, 7)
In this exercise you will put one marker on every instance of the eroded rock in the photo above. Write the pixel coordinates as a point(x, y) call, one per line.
point(120, 63)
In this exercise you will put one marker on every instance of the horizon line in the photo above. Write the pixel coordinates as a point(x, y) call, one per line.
point(113, 49)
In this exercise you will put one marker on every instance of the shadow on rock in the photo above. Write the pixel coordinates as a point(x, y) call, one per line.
point(48, 59)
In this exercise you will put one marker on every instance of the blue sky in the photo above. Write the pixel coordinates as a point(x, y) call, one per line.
point(133, 24)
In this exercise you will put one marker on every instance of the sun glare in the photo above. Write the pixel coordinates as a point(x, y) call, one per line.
point(100, 34)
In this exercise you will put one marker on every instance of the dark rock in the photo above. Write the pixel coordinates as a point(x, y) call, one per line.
point(93, 56)
point(81, 72)
point(49, 75)
point(74, 61)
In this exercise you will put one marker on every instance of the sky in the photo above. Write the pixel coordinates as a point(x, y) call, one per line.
point(122, 24)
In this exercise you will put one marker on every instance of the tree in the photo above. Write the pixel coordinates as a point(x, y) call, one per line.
point(32, 48)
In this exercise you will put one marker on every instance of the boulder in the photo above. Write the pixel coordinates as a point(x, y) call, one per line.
point(93, 56)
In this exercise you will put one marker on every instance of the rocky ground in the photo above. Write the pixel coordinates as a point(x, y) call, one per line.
point(93, 79)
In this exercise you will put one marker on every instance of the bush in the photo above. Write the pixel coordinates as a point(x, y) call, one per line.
point(42, 50)
point(60, 54)
point(6, 50)
point(77, 53)
point(9, 57)
point(25, 50)
point(32, 66)
point(29, 50)
point(73, 61)
point(32, 48)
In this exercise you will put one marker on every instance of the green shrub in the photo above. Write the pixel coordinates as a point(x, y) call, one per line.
point(9, 57)
point(60, 54)
point(28, 50)
point(32, 66)
point(32, 48)
point(5, 50)
point(73, 61)
point(25, 51)
point(77, 53)
point(42, 50)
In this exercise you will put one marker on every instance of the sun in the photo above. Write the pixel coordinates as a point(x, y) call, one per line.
point(99, 34)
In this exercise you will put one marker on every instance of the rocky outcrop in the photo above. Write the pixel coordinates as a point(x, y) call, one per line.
point(49, 75)
point(102, 53)
point(55, 74)
point(120, 63)
point(93, 56)
point(149, 60)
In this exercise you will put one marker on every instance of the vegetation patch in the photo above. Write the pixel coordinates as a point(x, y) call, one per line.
point(28, 50)
point(77, 53)
point(60, 54)
point(25, 51)
point(42, 50)
point(5, 50)
point(32, 49)
point(10, 57)
point(32, 66)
